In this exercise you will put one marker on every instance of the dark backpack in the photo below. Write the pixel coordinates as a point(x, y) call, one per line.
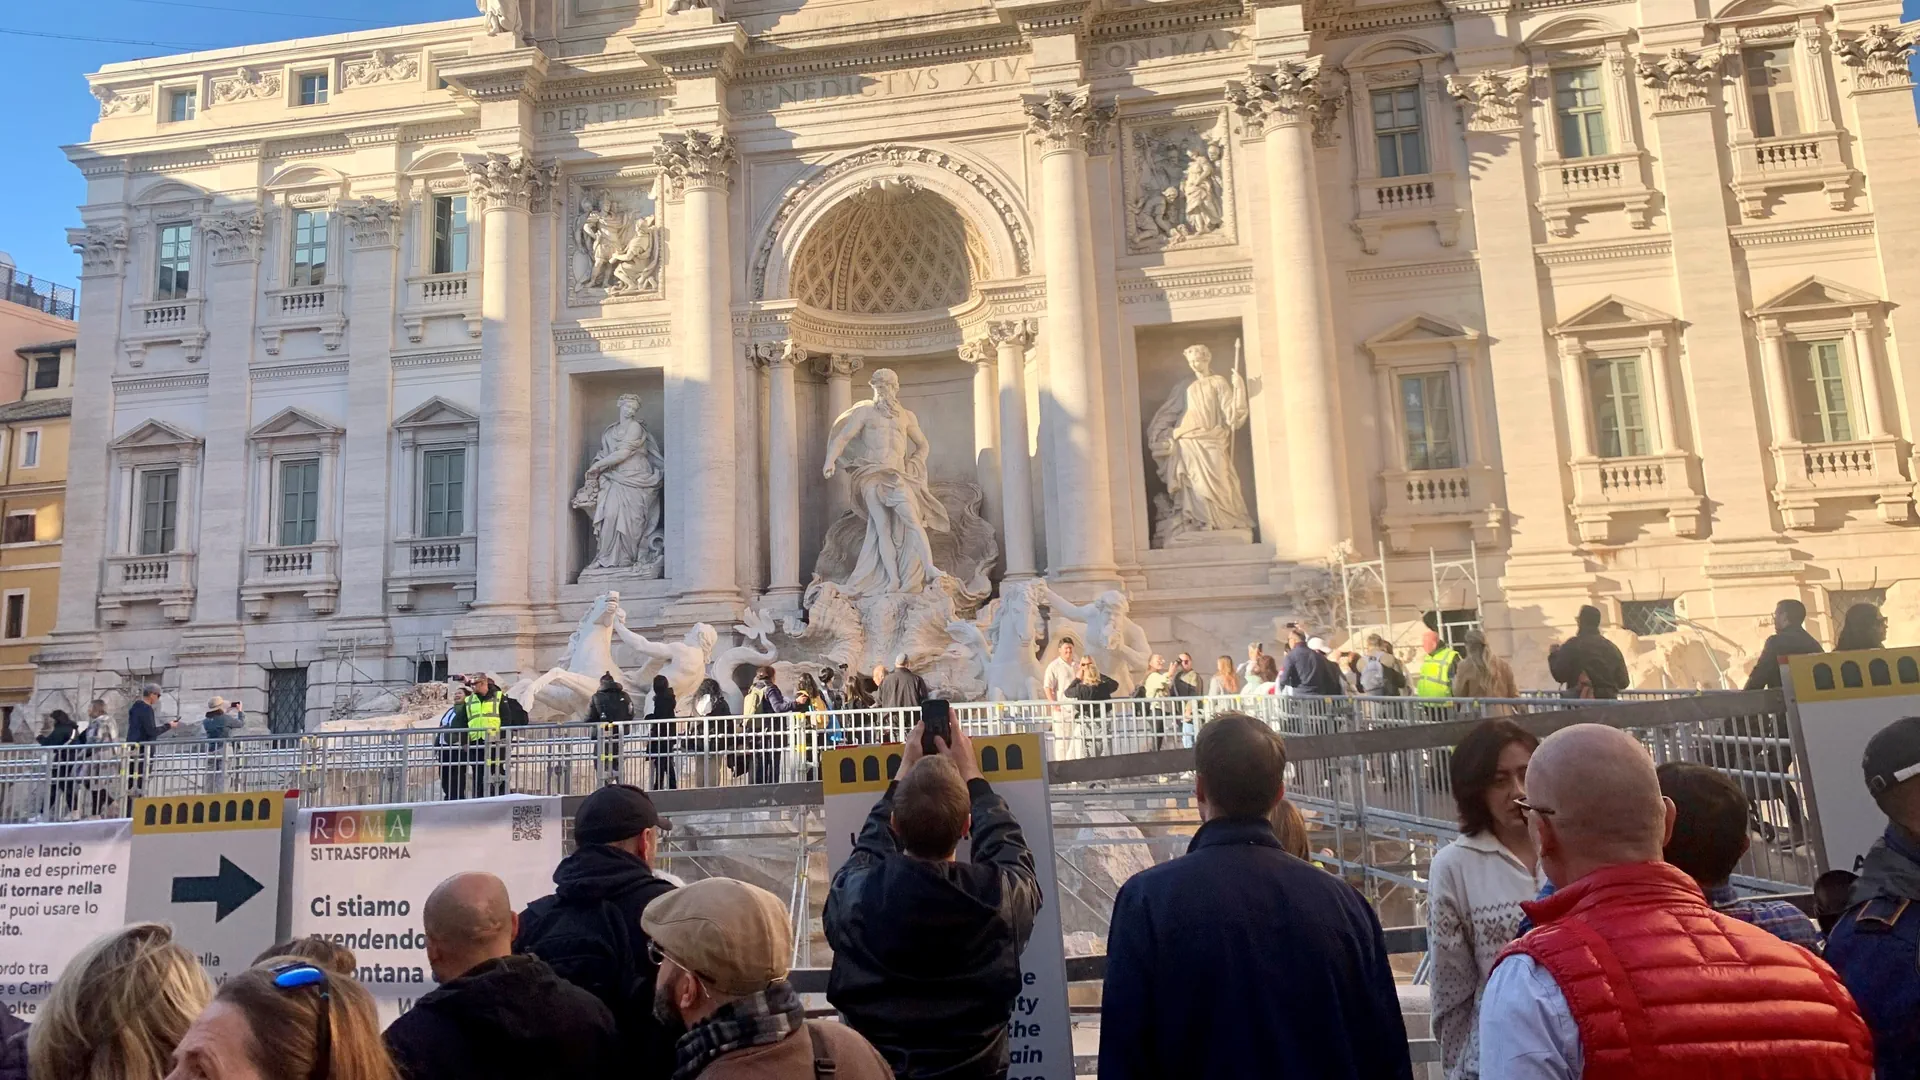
point(593, 948)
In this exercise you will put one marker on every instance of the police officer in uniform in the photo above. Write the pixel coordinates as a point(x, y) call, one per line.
point(1875, 946)
point(480, 715)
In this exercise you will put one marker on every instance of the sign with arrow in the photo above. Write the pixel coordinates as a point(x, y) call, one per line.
point(211, 867)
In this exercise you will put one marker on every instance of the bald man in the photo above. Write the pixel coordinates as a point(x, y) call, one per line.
point(1628, 971)
point(496, 1015)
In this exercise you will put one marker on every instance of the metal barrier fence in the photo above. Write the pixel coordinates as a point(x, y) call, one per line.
point(1403, 795)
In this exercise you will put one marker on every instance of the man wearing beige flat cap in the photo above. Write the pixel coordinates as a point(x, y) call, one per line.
point(722, 947)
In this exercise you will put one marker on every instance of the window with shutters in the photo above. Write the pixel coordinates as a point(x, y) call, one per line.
point(1820, 391)
point(159, 505)
point(450, 234)
point(16, 618)
point(1770, 91)
point(443, 500)
point(1580, 105)
point(299, 501)
point(1396, 131)
point(1426, 404)
point(1619, 415)
point(20, 528)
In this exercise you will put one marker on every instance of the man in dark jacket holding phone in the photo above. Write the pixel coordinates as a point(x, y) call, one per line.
point(926, 950)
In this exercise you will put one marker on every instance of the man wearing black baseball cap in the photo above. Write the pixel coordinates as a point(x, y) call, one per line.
point(1875, 946)
point(589, 931)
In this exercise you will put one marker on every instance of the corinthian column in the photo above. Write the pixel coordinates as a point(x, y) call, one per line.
point(1068, 126)
point(506, 187)
point(986, 424)
point(1282, 107)
point(838, 369)
point(701, 446)
point(1011, 339)
point(783, 474)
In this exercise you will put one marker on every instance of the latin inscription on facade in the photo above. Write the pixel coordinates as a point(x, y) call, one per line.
point(1121, 55)
point(967, 74)
point(581, 117)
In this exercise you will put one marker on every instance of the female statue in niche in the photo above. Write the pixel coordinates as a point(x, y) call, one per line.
point(622, 492)
point(1191, 439)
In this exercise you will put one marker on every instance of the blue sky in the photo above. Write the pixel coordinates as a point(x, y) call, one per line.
point(43, 78)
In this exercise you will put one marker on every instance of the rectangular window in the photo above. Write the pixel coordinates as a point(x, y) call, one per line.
point(159, 505)
point(1427, 405)
point(181, 105)
point(1578, 102)
point(444, 496)
point(1619, 419)
point(1769, 78)
point(1396, 131)
point(1820, 391)
point(313, 88)
point(175, 261)
point(309, 248)
point(19, 528)
point(299, 502)
point(16, 626)
point(30, 448)
point(450, 234)
point(46, 372)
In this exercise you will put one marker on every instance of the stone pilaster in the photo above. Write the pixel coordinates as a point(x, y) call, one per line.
point(1011, 339)
point(1284, 107)
point(233, 242)
point(701, 433)
point(373, 236)
point(1068, 126)
point(985, 359)
point(783, 473)
point(84, 545)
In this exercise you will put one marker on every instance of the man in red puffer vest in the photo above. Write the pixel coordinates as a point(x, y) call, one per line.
point(1628, 971)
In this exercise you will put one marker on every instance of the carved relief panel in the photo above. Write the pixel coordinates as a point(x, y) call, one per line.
point(614, 236)
point(1176, 179)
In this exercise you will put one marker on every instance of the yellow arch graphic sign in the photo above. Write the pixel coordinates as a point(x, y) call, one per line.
point(1003, 759)
point(1864, 673)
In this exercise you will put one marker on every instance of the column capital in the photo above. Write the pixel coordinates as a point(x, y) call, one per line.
point(979, 351)
point(501, 181)
point(1492, 100)
point(1068, 120)
point(371, 223)
point(838, 365)
point(768, 355)
point(1021, 332)
point(233, 236)
point(1288, 94)
point(1879, 56)
point(1681, 80)
point(102, 248)
point(697, 159)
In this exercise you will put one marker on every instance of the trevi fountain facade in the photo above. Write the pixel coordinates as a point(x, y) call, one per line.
point(822, 330)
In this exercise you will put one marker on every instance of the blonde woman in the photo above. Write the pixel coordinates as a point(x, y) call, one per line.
point(119, 1009)
point(286, 1020)
point(1225, 680)
point(1482, 674)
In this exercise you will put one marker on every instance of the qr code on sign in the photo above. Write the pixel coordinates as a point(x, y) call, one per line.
point(527, 821)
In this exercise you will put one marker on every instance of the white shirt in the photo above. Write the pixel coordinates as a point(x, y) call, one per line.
point(1059, 676)
point(1475, 888)
point(1527, 1032)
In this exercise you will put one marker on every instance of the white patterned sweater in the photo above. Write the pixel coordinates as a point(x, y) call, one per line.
point(1474, 892)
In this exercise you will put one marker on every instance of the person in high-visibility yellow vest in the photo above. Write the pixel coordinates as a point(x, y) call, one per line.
point(479, 716)
point(1436, 669)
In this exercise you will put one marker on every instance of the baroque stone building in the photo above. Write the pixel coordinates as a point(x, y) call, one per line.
point(1610, 293)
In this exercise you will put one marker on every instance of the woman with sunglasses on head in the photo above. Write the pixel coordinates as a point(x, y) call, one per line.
point(1477, 883)
point(285, 1020)
point(119, 1009)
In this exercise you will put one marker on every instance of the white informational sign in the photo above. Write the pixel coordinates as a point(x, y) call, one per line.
point(362, 875)
point(1040, 1036)
point(62, 887)
point(209, 866)
point(1842, 699)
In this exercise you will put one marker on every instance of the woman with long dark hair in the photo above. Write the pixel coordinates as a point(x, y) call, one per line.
point(1477, 883)
point(1863, 628)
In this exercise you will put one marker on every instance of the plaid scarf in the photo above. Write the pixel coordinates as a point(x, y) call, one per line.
point(758, 1020)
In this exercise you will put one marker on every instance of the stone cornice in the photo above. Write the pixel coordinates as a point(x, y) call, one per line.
point(1603, 251)
point(1404, 271)
point(623, 336)
point(1802, 232)
point(973, 44)
point(1163, 19)
point(1044, 18)
point(703, 52)
point(1163, 285)
point(517, 74)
